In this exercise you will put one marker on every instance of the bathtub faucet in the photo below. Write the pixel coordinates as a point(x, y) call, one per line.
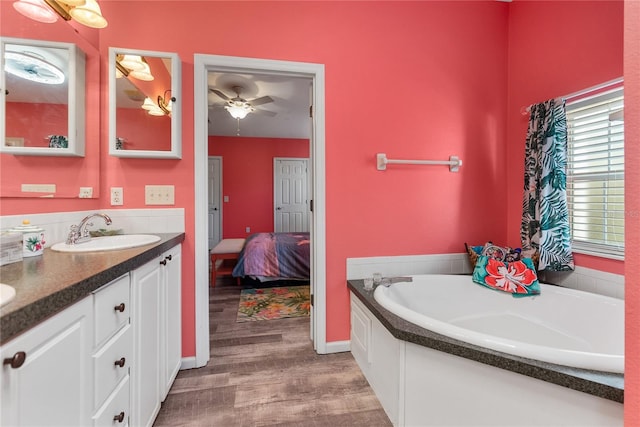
point(79, 233)
point(388, 281)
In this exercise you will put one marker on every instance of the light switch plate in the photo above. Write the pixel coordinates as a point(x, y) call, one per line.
point(159, 195)
point(38, 188)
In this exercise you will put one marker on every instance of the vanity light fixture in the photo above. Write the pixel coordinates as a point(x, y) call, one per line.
point(166, 104)
point(85, 12)
point(144, 74)
point(152, 108)
point(238, 109)
point(37, 10)
point(30, 66)
point(135, 66)
point(88, 14)
point(131, 62)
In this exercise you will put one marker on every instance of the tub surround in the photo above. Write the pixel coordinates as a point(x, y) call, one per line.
point(49, 283)
point(601, 384)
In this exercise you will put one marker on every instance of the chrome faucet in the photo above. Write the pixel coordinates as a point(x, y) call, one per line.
point(388, 281)
point(79, 233)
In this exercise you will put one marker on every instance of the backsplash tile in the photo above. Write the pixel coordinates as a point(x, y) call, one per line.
point(57, 224)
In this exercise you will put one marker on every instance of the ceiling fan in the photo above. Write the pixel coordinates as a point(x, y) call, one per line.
point(239, 107)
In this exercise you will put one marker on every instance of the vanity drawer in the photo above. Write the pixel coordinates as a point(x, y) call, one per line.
point(116, 408)
point(112, 307)
point(111, 364)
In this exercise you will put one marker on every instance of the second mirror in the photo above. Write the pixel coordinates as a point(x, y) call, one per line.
point(144, 104)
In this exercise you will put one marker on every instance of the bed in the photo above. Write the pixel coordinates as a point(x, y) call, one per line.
point(274, 256)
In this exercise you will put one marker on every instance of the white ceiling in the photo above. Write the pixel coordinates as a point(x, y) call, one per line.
point(291, 100)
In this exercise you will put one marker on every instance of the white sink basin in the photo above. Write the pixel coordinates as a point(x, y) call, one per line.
point(6, 293)
point(108, 243)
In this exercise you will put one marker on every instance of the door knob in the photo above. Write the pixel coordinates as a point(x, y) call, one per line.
point(278, 208)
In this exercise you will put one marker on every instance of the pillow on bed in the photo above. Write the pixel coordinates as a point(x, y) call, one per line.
point(518, 278)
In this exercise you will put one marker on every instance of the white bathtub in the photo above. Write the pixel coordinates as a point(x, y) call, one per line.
point(561, 326)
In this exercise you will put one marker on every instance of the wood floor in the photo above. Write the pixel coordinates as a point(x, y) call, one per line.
point(266, 373)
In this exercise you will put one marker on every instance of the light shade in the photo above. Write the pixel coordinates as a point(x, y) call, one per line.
point(36, 10)
point(152, 108)
point(73, 2)
point(238, 110)
point(132, 62)
point(31, 67)
point(144, 74)
point(89, 14)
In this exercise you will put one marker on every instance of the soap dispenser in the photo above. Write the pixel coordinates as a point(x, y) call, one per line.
point(32, 238)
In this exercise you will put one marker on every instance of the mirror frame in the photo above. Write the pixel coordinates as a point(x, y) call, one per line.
point(76, 101)
point(176, 112)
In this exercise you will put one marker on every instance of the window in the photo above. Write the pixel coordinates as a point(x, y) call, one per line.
point(595, 173)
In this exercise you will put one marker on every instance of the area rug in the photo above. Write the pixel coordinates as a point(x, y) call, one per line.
point(273, 303)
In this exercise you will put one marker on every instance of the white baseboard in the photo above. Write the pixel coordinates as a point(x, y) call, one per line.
point(338, 347)
point(188, 363)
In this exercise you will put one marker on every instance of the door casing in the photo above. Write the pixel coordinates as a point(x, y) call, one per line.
point(229, 64)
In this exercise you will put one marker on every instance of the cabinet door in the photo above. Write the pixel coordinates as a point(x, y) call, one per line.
point(50, 388)
point(146, 373)
point(172, 336)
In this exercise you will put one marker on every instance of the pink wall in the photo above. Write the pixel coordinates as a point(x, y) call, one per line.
point(52, 120)
point(142, 131)
point(554, 51)
point(247, 167)
point(632, 206)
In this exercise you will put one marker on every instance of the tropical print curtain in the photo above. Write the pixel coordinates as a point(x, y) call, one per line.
point(545, 216)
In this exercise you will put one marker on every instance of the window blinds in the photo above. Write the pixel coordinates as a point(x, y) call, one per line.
point(595, 173)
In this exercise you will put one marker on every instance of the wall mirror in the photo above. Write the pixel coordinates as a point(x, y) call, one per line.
point(145, 104)
point(62, 173)
point(42, 101)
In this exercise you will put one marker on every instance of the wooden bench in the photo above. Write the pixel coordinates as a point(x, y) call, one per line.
point(227, 250)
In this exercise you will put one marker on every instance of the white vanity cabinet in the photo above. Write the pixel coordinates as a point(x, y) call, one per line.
point(53, 385)
point(113, 353)
point(156, 289)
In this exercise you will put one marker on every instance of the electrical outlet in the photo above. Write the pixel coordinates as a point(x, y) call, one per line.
point(159, 195)
point(86, 192)
point(117, 196)
point(248, 229)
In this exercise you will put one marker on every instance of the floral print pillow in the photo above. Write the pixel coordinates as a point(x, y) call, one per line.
point(518, 278)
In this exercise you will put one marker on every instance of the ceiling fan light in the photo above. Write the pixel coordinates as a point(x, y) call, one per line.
point(31, 67)
point(89, 14)
point(144, 74)
point(36, 10)
point(238, 111)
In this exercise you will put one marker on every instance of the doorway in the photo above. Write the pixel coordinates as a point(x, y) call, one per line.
point(203, 64)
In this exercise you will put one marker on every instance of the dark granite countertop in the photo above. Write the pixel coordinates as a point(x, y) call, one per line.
point(48, 283)
point(602, 384)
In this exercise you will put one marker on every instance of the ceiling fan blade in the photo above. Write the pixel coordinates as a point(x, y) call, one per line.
point(220, 94)
point(260, 101)
point(264, 112)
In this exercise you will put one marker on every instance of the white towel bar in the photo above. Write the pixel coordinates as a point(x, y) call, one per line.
point(454, 162)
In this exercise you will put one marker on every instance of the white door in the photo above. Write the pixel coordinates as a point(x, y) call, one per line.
point(214, 216)
point(291, 204)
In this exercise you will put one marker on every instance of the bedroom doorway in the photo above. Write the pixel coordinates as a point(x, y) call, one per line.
point(203, 64)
